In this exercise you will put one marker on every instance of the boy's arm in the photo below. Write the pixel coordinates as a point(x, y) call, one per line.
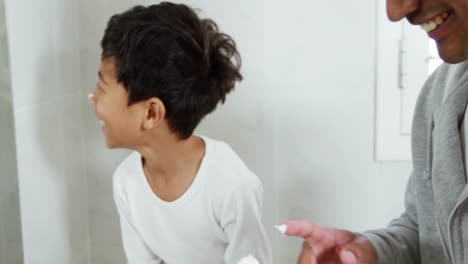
point(242, 222)
point(135, 249)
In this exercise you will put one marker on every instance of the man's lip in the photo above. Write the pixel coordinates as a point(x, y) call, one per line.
point(443, 30)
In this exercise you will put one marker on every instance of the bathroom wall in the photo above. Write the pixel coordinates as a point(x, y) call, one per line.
point(43, 37)
point(10, 223)
point(321, 75)
point(302, 119)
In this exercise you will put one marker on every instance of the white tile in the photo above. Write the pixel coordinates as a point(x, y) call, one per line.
point(74, 161)
point(43, 186)
point(33, 65)
point(105, 229)
point(10, 224)
point(11, 215)
point(105, 254)
point(104, 220)
point(89, 67)
point(66, 45)
point(53, 182)
point(13, 253)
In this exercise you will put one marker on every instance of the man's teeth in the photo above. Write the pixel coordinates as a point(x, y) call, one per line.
point(102, 123)
point(435, 22)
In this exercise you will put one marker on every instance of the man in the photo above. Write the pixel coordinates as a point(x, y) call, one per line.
point(434, 226)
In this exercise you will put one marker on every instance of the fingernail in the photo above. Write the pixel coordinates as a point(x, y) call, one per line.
point(282, 229)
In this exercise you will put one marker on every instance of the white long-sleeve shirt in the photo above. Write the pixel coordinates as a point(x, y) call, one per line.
point(217, 220)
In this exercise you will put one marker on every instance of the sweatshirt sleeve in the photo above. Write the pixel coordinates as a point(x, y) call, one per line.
point(242, 222)
point(135, 249)
point(399, 242)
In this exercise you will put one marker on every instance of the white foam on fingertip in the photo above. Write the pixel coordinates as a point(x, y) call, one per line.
point(282, 228)
point(249, 260)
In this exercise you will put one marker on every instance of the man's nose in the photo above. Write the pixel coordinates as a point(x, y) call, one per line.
point(399, 9)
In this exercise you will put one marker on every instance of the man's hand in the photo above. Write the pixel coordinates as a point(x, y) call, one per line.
point(323, 245)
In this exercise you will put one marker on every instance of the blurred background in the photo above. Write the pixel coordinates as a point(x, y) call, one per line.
point(305, 120)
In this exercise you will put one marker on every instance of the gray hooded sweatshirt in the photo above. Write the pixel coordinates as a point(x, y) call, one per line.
point(434, 226)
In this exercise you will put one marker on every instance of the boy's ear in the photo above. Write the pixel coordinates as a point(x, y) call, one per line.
point(155, 113)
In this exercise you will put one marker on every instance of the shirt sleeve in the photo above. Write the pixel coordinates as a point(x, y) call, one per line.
point(242, 222)
point(135, 249)
point(399, 242)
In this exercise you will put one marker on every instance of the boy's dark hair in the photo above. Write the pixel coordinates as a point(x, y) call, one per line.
point(167, 51)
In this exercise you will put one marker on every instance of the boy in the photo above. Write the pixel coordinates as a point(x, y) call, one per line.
point(181, 198)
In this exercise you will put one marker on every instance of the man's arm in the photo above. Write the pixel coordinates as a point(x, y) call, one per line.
point(399, 242)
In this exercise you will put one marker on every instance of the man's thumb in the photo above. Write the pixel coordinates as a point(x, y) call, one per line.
point(360, 250)
point(348, 257)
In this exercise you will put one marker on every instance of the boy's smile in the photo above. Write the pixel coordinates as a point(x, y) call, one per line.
point(119, 121)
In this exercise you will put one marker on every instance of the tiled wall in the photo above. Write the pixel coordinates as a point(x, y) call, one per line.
point(45, 71)
point(10, 225)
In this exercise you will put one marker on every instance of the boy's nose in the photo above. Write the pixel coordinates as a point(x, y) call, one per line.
point(91, 98)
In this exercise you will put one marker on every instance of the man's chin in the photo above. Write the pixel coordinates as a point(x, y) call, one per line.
point(451, 56)
point(454, 59)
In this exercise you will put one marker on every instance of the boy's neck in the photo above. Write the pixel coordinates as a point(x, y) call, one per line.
point(170, 165)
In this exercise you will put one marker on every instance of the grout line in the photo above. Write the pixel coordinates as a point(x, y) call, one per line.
point(55, 99)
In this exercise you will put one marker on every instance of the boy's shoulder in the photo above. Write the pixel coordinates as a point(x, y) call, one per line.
point(226, 170)
point(127, 169)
